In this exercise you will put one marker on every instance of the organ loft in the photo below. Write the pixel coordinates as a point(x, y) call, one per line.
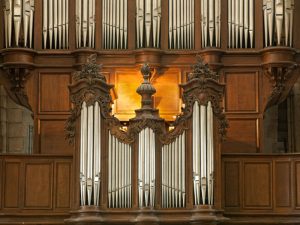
point(149, 112)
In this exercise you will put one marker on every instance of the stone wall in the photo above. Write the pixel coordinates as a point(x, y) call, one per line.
point(16, 126)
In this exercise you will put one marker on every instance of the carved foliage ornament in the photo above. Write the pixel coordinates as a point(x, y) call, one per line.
point(202, 86)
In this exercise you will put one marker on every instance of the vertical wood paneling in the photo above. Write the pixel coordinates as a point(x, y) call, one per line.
point(52, 137)
point(241, 92)
point(53, 93)
point(38, 185)
point(62, 185)
point(232, 184)
point(257, 185)
point(11, 184)
point(282, 184)
point(1, 182)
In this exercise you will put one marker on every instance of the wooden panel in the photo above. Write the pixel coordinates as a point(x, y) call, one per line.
point(266, 90)
point(241, 92)
point(282, 184)
point(167, 94)
point(1, 182)
point(63, 185)
point(297, 171)
point(241, 136)
point(128, 100)
point(257, 185)
point(11, 184)
point(54, 93)
point(231, 184)
point(52, 137)
point(38, 185)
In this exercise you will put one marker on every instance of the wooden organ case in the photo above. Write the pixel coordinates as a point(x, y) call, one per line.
point(147, 173)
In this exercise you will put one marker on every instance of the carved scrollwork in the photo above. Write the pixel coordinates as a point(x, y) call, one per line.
point(202, 86)
point(283, 78)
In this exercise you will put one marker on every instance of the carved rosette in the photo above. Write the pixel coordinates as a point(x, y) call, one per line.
point(203, 86)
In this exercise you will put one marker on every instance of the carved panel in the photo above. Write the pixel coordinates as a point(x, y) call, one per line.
point(242, 136)
point(241, 92)
point(11, 184)
point(297, 177)
point(282, 184)
point(257, 185)
point(53, 93)
point(38, 185)
point(167, 96)
point(232, 183)
point(63, 185)
point(52, 137)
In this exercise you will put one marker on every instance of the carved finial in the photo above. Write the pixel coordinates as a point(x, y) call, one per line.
point(90, 70)
point(202, 70)
point(146, 90)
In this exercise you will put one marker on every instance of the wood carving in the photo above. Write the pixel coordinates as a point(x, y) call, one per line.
point(17, 77)
point(283, 77)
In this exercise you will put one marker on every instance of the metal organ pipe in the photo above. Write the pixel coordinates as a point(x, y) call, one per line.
point(211, 23)
point(119, 173)
point(85, 23)
point(55, 24)
point(148, 17)
point(240, 23)
point(18, 15)
point(181, 24)
point(90, 154)
point(173, 173)
point(279, 13)
point(146, 168)
point(203, 157)
point(114, 20)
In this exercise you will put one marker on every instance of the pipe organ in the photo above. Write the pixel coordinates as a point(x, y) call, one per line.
point(90, 154)
point(181, 24)
point(148, 17)
point(173, 173)
point(114, 23)
point(85, 23)
point(278, 22)
point(18, 23)
point(119, 173)
point(211, 23)
point(203, 154)
point(143, 167)
point(55, 24)
point(241, 24)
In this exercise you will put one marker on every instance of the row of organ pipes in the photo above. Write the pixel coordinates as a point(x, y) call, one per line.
point(19, 19)
point(278, 22)
point(148, 17)
point(240, 23)
point(85, 23)
point(203, 154)
point(173, 173)
point(90, 154)
point(119, 173)
point(18, 15)
point(181, 24)
point(146, 168)
point(56, 24)
point(211, 23)
point(115, 25)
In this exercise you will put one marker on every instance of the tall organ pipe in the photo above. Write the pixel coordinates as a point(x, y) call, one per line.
point(55, 24)
point(279, 13)
point(203, 157)
point(211, 23)
point(241, 23)
point(119, 173)
point(181, 24)
point(90, 154)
